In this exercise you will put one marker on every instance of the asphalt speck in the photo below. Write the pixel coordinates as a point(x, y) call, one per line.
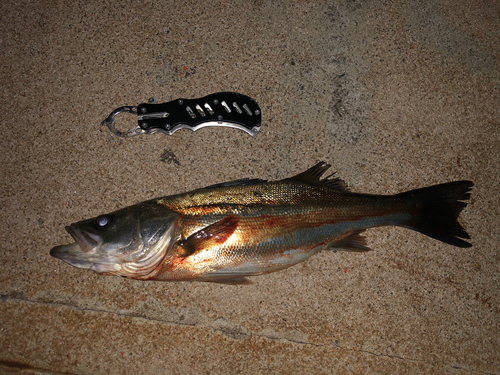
point(167, 156)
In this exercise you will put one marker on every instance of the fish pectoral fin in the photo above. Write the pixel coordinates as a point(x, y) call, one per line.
point(354, 242)
point(229, 280)
point(213, 235)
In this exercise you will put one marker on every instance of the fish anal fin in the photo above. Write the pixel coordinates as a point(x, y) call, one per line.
point(354, 242)
point(215, 234)
point(313, 176)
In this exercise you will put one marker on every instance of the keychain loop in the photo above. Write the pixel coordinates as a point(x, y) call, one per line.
point(110, 122)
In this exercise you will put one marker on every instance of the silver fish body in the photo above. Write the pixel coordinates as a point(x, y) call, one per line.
point(227, 232)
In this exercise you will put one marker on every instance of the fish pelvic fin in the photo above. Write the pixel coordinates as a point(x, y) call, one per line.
point(313, 176)
point(354, 242)
point(438, 208)
point(214, 234)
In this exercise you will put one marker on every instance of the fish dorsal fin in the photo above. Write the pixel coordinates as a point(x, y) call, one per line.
point(313, 176)
point(242, 182)
point(215, 234)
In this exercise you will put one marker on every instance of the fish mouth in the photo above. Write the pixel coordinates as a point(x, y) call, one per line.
point(71, 254)
point(78, 253)
point(87, 241)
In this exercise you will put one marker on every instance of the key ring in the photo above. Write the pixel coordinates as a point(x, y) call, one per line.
point(110, 122)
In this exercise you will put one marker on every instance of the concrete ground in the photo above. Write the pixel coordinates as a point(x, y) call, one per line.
point(395, 95)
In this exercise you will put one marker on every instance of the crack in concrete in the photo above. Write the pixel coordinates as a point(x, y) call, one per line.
point(468, 370)
point(235, 335)
point(422, 361)
point(28, 369)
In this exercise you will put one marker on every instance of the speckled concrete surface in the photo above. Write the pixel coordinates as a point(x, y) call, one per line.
point(396, 95)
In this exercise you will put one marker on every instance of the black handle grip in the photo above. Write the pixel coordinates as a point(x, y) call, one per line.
point(221, 109)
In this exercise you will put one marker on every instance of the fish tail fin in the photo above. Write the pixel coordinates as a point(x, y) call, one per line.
point(438, 208)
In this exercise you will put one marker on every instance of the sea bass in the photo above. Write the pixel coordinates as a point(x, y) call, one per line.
point(227, 232)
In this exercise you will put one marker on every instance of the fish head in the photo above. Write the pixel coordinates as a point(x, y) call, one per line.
point(130, 242)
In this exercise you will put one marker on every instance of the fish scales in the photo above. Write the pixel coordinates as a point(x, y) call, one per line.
point(284, 221)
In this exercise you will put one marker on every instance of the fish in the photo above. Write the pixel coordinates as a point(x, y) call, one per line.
point(228, 232)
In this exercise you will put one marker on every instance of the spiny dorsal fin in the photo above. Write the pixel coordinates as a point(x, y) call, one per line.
point(313, 176)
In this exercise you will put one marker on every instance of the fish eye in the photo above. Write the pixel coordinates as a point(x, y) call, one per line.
point(102, 221)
